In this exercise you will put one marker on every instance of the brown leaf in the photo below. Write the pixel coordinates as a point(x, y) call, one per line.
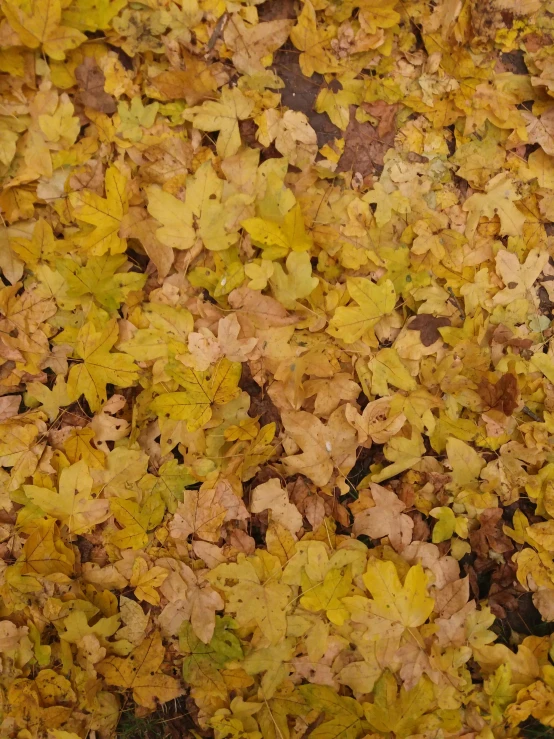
point(386, 518)
point(300, 93)
point(544, 603)
point(194, 84)
point(365, 146)
point(385, 114)
point(428, 327)
point(489, 535)
point(503, 396)
point(452, 597)
point(9, 406)
point(260, 311)
point(91, 93)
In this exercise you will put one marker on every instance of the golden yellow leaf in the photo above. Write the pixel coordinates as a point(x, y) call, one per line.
point(141, 673)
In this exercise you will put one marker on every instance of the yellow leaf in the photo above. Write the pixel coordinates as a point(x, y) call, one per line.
point(406, 604)
point(312, 39)
point(251, 44)
point(223, 115)
point(39, 23)
point(105, 214)
point(296, 283)
point(388, 369)
point(375, 14)
point(400, 713)
point(141, 673)
point(78, 445)
point(545, 364)
point(446, 523)
point(204, 511)
point(176, 216)
point(290, 234)
point(499, 199)
point(145, 581)
point(325, 447)
point(73, 505)
point(327, 595)
point(259, 274)
point(264, 604)
point(135, 520)
point(44, 552)
point(99, 366)
point(202, 392)
point(271, 495)
point(466, 463)
point(374, 301)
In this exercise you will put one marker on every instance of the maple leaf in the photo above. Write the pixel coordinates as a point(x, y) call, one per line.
point(385, 518)
point(202, 391)
point(252, 44)
point(135, 116)
point(99, 366)
point(223, 116)
point(375, 14)
point(176, 216)
point(45, 553)
point(296, 283)
point(251, 600)
point(204, 661)
point(140, 672)
point(189, 598)
point(327, 595)
point(403, 606)
point(499, 199)
point(51, 399)
point(204, 511)
point(145, 581)
point(518, 278)
point(194, 83)
point(345, 715)
point(135, 521)
point(105, 214)
point(374, 301)
point(42, 246)
point(271, 495)
point(73, 505)
point(101, 278)
point(311, 40)
point(290, 234)
point(39, 23)
point(400, 712)
point(325, 448)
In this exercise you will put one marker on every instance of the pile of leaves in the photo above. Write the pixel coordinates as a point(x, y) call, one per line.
point(276, 370)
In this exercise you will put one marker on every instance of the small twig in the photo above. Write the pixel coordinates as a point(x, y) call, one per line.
point(454, 300)
point(218, 30)
point(531, 414)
